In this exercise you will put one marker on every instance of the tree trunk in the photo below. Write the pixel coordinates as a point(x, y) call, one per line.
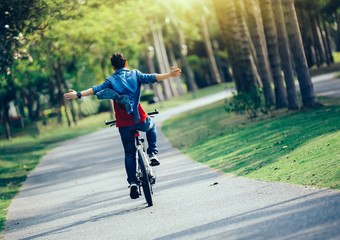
point(174, 63)
point(20, 104)
point(257, 34)
point(326, 42)
point(300, 63)
point(80, 112)
point(225, 75)
point(208, 47)
point(226, 16)
point(284, 48)
point(166, 62)
point(321, 40)
point(248, 70)
point(59, 114)
point(156, 87)
point(70, 103)
point(308, 41)
point(234, 32)
point(37, 110)
point(159, 58)
point(320, 51)
point(273, 52)
point(337, 16)
point(58, 78)
point(5, 108)
point(67, 116)
point(28, 98)
point(189, 76)
point(104, 74)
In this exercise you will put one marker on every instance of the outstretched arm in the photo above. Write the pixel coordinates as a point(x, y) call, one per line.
point(172, 73)
point(73, 94)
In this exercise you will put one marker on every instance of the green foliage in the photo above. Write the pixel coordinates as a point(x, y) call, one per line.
point(90, 106)
point(199, 66)
point(252, 104)
point(147, 96)
point(336, 56)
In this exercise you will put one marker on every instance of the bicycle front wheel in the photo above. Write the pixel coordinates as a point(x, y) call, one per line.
point(145, 181)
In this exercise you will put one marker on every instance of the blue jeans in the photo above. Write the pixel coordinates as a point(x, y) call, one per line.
point(128, 140)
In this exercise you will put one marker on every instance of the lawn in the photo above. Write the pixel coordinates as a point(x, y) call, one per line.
point(298, 147)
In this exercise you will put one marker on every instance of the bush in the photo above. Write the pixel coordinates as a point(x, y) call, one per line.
point(104, 106)
point(336, 56)
point(251, 103)
point(147, 96)
point(89, 106)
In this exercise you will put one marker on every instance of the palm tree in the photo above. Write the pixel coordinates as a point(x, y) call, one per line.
point(160, 60)
point(258, 38)
point(249, 74)
point(293, 102)
point(273, 51)
point(235, 34)
point(209, 50)
point(150, 54)
point(317, 38)
point(166, 64)
point(300, 63)
point(225, 12)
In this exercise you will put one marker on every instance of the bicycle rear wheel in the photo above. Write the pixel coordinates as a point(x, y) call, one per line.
point(145, 181)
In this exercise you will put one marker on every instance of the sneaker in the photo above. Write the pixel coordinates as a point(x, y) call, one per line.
point(134, 191)
point(153, 160)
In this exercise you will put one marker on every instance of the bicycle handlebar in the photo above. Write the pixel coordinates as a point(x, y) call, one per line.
point(114, 122)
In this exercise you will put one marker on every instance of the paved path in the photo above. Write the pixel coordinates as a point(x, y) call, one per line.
point(327, 84)
point(78, 191)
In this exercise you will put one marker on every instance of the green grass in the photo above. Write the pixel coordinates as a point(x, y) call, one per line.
point(300, 147)
point(19, 156)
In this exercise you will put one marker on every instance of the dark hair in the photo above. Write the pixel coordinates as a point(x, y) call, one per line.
point(118, 60)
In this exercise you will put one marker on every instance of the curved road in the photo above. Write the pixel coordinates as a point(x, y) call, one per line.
point(79, 191)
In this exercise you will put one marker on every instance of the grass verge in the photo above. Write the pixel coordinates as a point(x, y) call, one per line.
point(298, 147)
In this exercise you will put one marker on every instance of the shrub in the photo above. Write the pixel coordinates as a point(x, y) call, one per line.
point(251, 103)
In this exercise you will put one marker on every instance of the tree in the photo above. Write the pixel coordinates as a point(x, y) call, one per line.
point(273, 52)
point(300, 63)
point(209, 50)
point(293, 102)
point(257, 33)
point(235, 34)
point(18, 20)
point(312, 16)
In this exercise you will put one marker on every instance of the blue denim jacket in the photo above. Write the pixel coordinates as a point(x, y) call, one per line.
point(124, 86)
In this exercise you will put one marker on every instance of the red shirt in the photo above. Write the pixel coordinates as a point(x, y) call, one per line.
point(123, 119)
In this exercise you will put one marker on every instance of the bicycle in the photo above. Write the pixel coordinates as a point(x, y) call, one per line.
point(145, 174)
